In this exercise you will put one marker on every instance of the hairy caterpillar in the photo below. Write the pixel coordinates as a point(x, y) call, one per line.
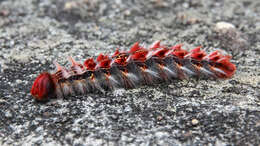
point(128, 69)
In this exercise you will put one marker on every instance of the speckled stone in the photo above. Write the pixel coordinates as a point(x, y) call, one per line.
point(35, 33)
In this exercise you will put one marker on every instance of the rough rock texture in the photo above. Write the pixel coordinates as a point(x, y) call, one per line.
point(33, 33)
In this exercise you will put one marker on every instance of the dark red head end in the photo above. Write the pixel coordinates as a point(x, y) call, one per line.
point(43, 86)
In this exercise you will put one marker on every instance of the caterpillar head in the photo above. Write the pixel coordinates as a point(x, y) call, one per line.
point(43, 86)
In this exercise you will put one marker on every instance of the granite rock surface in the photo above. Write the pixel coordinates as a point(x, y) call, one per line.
point(34, 33)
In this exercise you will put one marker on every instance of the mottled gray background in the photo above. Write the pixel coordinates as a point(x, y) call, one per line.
point(33, 33)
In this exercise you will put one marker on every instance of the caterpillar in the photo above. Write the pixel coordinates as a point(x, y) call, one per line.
point(129, 69)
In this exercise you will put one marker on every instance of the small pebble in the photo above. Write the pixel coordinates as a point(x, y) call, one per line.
point(70, 5)
point(194, 122)
point(171, 86)
point(224, 25)
point(18, 81)
point(231, 38)
point(8, 114)
point(159, 118)
point(4, 13)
